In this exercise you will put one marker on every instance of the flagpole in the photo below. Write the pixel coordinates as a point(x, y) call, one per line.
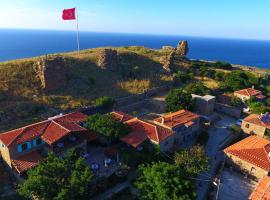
point(78, 36)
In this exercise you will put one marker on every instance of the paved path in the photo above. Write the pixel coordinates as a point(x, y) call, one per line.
point(119, 187)
point(217, 133)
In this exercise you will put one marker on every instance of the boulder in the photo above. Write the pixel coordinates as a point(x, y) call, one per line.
point(51, 72)
point(107, 59)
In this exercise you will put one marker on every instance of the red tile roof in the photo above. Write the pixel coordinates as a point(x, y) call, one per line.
point(178, 118)
point(262, 191)
point(89, 136)
point(248, 92)
point(120, 116)
point(252, 149)
point(141, 130)
point(26, 161)
point(50, 130)
point(258, 120)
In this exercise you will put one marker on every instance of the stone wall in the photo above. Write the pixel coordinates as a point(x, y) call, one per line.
point(244, 166)
point(51, 72)
point(107, 59)
point(249, 128)
point(228, 110)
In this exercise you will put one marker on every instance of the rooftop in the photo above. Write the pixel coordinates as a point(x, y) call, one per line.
point(249, 92)
point(50, 130)
point(120, 116)
point(262, 191)
point(181, 117)
point(252, 149)
point(26, 161)
point(260, 120)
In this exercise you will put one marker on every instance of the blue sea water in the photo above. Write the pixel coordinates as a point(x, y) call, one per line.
point(15, 44)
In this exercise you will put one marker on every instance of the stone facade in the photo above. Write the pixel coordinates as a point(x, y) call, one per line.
point(107, 59)
point(51, 72)
point(204, 105)
point(245, 167)
point(250, 128)
point(169, 61)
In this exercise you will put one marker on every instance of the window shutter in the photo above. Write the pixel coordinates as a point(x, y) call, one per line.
point(34, 142)
point(28, 145)
point(19, 148)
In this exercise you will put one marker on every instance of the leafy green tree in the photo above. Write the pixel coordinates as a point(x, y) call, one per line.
point(181, 76)
point(178, 99)
point(223, 65)
point(106, 125)
point(197, 88)
point(219, 76)
point(193, 161)
point(105, 102)
point(162, 181)
point(235, 101)
point(238, 79)
point(58, 179)
point(258, 108)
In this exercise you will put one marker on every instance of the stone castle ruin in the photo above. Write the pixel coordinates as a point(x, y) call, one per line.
point(51, 72)
point(107, 59)
point(182, 48)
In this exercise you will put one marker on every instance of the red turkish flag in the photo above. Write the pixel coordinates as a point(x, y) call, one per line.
point(69, 14)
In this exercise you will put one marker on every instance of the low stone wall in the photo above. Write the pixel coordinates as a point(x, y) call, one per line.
point(228, 110)
point(140, 97)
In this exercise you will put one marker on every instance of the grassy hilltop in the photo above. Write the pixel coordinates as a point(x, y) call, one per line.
point(22, 99)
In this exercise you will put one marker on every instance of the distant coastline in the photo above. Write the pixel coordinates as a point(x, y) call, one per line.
point(17, 44)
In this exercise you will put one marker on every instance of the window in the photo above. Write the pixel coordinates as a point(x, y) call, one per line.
point(38, 141)
point(24, 146)
point(247, 125)
point(3, 146)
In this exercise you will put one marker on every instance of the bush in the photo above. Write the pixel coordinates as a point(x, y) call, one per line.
point(178, 99)
point(219, 76)
point(235, 101)
point(197, 88)
point(223, 65)
point(105, 102)
point(181, 76)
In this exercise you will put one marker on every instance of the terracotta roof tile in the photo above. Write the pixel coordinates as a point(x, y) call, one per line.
point(258, 120)
point(178, 118)
point(53, 129)
point(120, 116)
point(141, 130)
point(248, 92)
point(252, 149)
point(26, 161)
point(262, 190)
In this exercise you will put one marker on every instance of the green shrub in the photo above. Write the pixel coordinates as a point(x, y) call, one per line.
point(197, 88)
point(105, 102)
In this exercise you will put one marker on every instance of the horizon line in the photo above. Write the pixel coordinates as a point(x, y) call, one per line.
point(140, 33)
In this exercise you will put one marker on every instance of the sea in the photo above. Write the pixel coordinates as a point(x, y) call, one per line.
point(18, 43)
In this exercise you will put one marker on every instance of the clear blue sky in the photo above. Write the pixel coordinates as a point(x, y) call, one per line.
point(211, 18)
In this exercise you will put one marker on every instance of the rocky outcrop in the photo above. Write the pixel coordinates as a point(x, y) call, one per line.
point(169, 62)
point(51, 72)
point(182, 48)
point(107, 59)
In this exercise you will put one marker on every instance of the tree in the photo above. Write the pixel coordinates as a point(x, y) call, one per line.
point(238, 79)
point(235, 101)
point(58, 178)
point(105, 102)
point(219, 76)
point(178, 99)
point(106, 125)
point(193, 161)
point(197, 88)
point(162, 181)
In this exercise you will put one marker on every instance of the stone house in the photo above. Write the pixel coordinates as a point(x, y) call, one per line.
point(262, 190)
point(256, 124)
point(246, 94)
point(169, 131)
point(23, 148)
point(250, 155)
point(204, 105)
